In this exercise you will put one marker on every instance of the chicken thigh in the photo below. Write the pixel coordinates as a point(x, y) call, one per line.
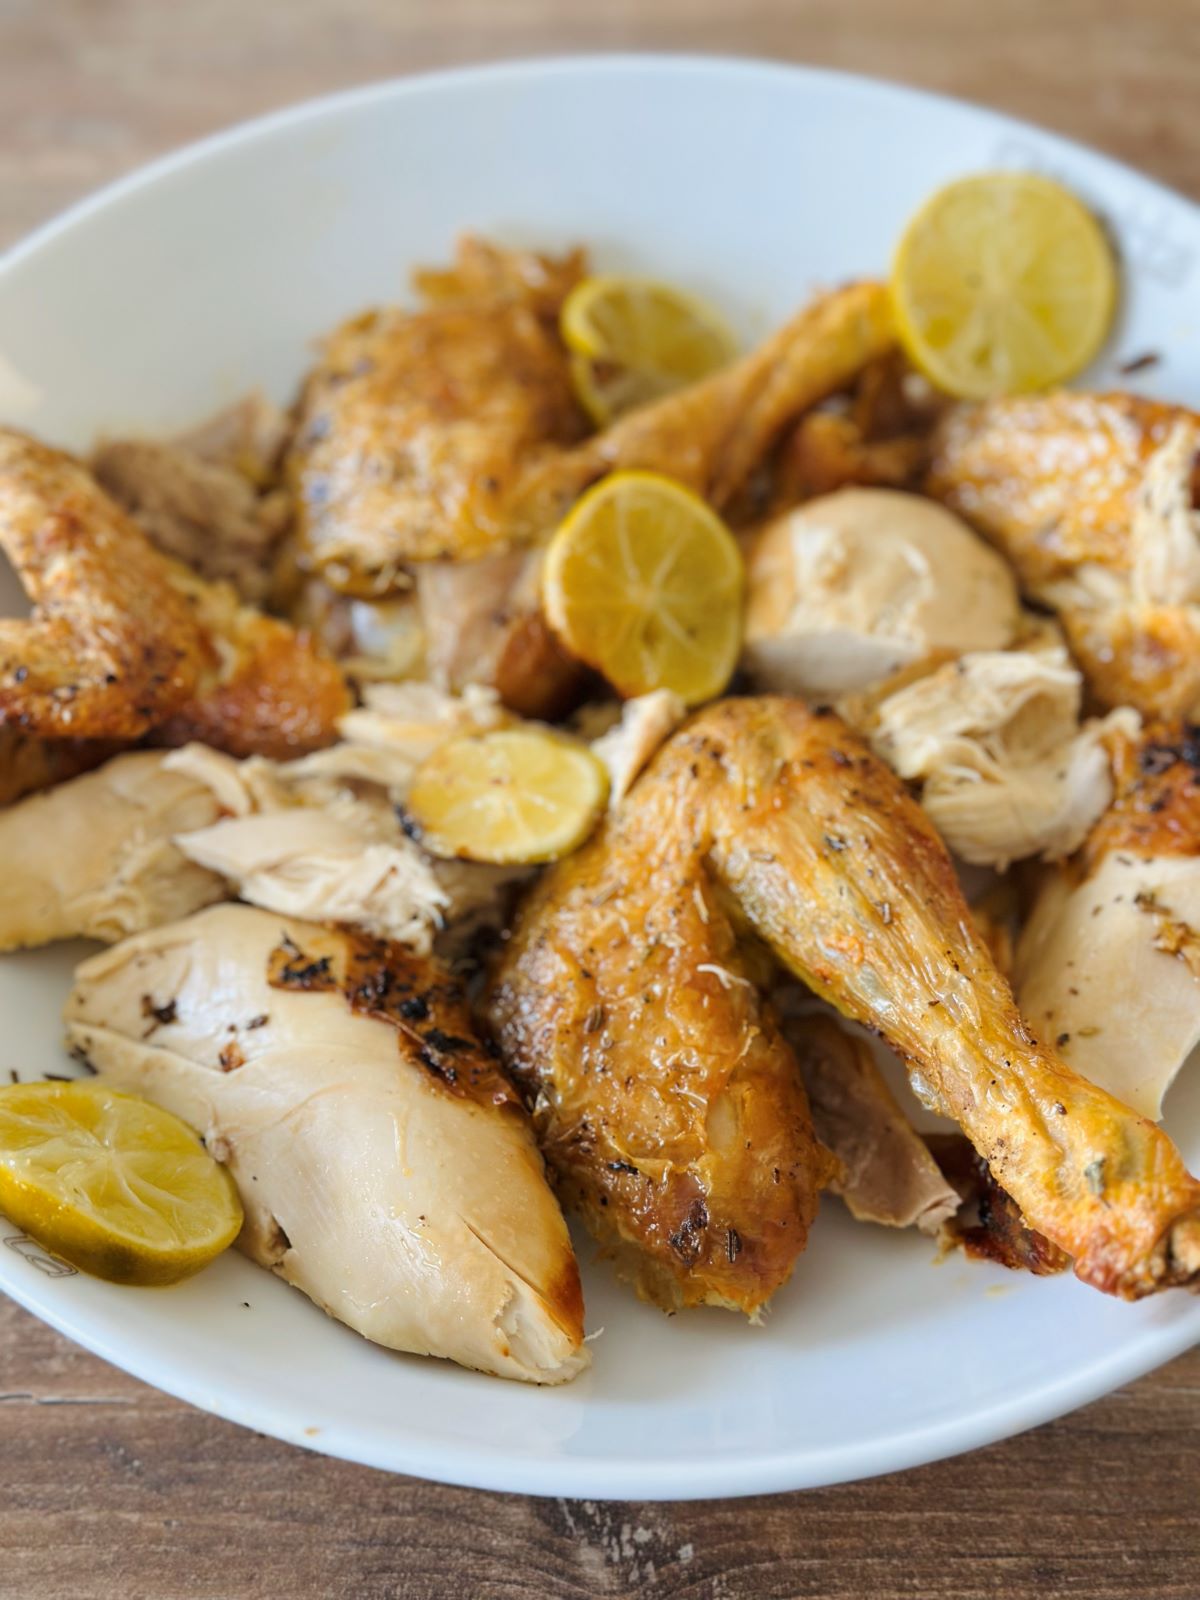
point(785, 821)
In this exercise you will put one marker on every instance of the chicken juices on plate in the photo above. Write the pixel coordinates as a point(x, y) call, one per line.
point(384, 1162)
point(785, 816)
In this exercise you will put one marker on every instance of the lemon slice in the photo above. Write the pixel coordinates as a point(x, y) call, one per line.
point(634, 340)
point(510, 795)
point(112, 1184)
point(644, 582)
point(1003, 284)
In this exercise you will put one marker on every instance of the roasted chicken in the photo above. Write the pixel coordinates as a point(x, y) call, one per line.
point(666, 1099)
point(1108, 961)
point(124, 641)
point(887, 1174)
point(113, 645)
point(416, 428)
point(849, 589)
point(265, 689)
point(94, 858)
point(29, 763)
point(385, 1165)
point(447, 433)
point(1091, 499)
point(666, 1104)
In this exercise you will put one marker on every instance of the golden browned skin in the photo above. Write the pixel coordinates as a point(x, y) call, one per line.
point(415, 427)
point(29, 763)
point(1057, 482)
point(667, 1102)
point(1155, 810)
point(835, 866)
point(112, 646)
point(713, 435)
point(267, 688)
point(125, 641)
point(446, 433)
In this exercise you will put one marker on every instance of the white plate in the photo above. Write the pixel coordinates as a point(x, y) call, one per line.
point(212, 271)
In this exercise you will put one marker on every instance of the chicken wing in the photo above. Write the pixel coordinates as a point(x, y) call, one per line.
point(446, 433)
point(1090, 497)
point(112, 646)
point(266, 688)
point(385, 1166)
point(123, 640)
point(786, 815)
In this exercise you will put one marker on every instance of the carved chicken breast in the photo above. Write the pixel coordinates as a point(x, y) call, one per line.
point(94, 858)
point(1108, 962)
point(785, 815)
point(848, 589)
point(1091, 499)
point(994, 738)
point(384, 1163)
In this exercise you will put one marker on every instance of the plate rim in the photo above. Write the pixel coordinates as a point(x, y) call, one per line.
point(652, 1479)
point(486, 1465)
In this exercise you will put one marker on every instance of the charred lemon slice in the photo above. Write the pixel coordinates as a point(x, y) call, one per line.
point(112, 1184)
point(633, 340)
point(644, 582)
point(507, 796)
point(1003, 283)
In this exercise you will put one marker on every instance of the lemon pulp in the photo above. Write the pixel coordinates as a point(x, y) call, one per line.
point(1003, 283)
point(644, 582)
point(112, 1184)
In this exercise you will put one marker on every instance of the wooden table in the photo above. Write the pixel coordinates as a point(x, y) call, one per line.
point(110, 1489)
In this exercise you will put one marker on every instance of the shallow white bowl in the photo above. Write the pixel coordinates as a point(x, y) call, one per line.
point(212, 271)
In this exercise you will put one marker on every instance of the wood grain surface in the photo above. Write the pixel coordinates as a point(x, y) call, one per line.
point(112, 1490)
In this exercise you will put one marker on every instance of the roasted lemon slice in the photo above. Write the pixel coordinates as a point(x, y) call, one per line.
point(112, 1184)
point(510, 795)
point(644, 582)
point(1003, 284)
point(634, 340)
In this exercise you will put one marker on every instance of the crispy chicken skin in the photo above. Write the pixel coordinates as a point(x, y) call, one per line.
point(385, 1165)
point(29, 763)
point(1156, 802)
point(124, 641)
point(112, 646)
point(267, 689)
point(416, 426)
point(712, 435)
point(832, 863)
point(667, 1102)
point(447, 433)
point(1089, 496)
